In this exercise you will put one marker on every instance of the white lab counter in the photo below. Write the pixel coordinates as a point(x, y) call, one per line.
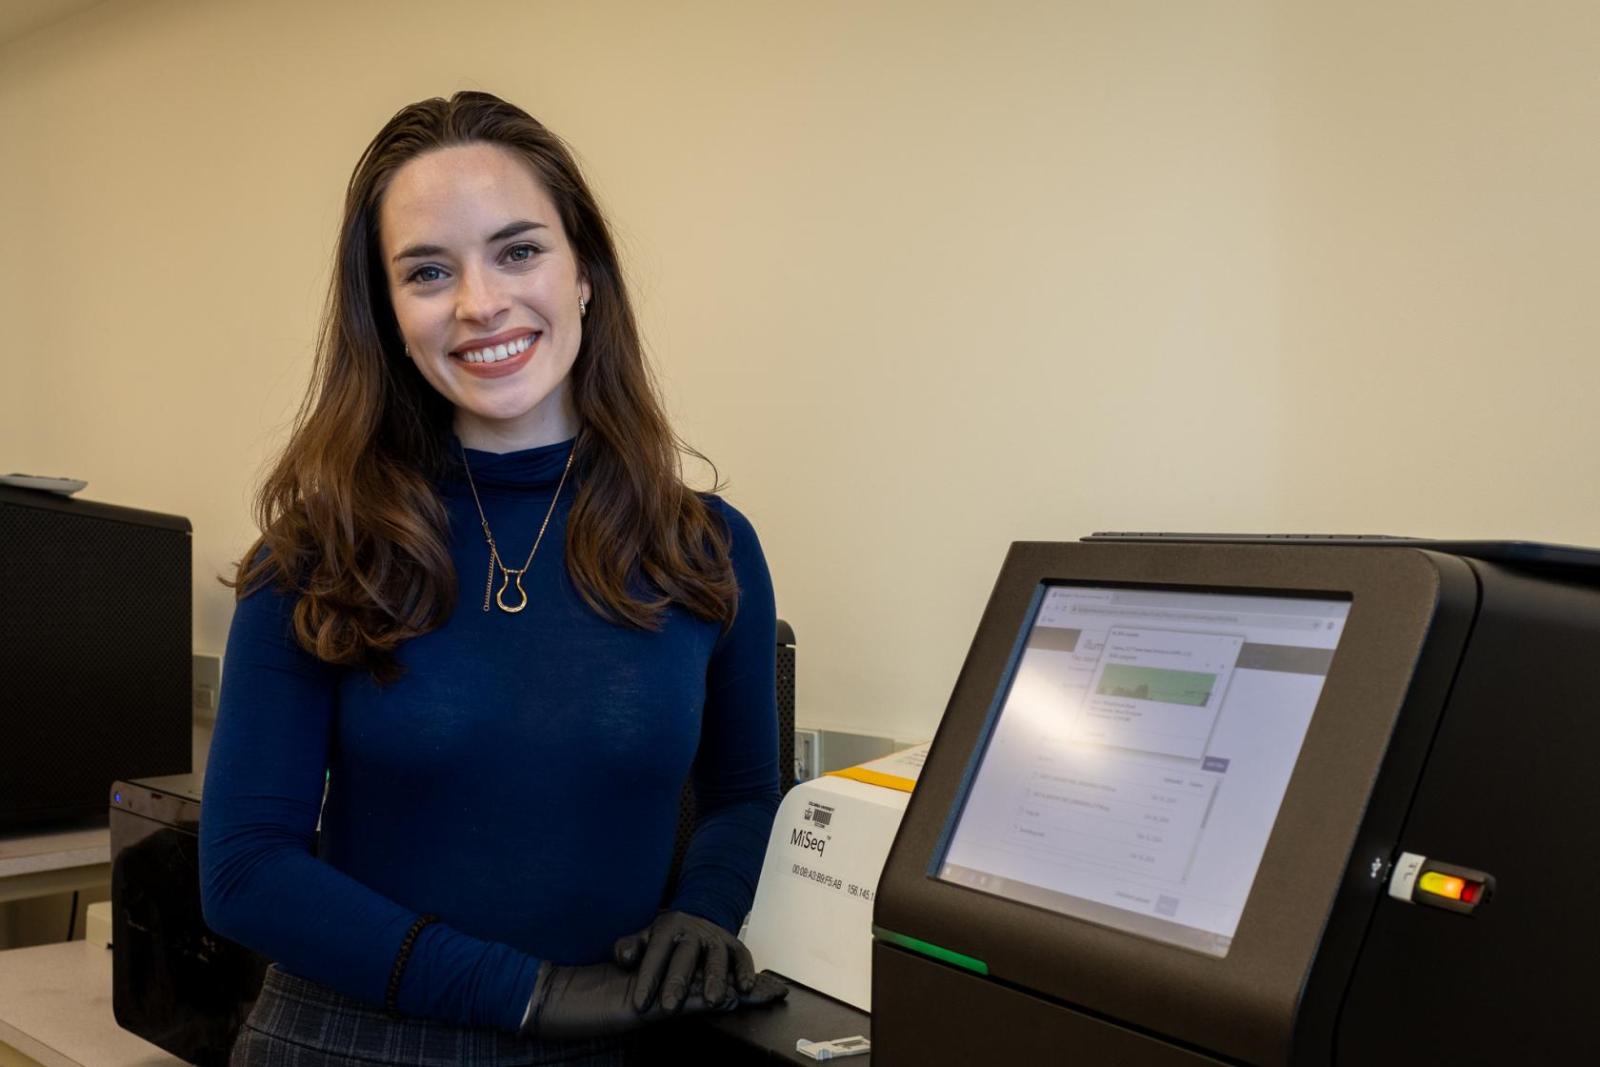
point(55, 1011)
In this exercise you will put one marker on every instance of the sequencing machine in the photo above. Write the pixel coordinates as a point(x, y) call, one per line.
point(1211, 800)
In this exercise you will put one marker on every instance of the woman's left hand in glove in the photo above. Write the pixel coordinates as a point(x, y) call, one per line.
point(672, 949)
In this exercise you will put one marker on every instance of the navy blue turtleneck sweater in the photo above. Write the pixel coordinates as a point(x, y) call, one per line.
point(521, 781)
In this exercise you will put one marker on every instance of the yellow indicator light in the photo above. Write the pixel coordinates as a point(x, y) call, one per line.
point(1441, 885)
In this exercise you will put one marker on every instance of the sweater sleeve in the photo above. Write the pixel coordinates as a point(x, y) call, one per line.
point(736, 771)
point(261, 884)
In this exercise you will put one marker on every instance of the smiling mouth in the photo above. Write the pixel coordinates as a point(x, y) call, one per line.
point(498, 353)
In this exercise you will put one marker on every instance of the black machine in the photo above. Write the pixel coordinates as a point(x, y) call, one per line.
point(95, 646)
point(1201, 800)
point(175, 982)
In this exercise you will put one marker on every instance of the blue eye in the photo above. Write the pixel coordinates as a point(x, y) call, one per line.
point(417, 275)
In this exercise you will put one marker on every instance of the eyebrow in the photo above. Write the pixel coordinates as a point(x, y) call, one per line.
point(511, 229)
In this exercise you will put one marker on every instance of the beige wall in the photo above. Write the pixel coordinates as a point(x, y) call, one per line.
point(922, 278)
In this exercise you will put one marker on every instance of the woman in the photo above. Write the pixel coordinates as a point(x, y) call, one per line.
point(503, 763)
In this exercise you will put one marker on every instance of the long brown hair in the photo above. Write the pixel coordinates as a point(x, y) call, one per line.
point(349, 515)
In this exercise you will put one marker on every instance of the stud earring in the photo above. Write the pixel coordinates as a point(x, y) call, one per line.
point(583, 307)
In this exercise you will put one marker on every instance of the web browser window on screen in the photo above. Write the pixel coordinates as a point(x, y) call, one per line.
point(1141, 755)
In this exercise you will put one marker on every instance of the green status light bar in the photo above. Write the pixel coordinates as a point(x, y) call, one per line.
point(928, 949)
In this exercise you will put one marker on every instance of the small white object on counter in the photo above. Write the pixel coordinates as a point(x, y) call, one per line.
point(64, 486)
point(832, 1050)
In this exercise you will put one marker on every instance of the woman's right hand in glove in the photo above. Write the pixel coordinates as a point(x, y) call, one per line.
point(597, 999)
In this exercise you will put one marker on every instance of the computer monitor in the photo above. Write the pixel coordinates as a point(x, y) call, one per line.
point(1141, 753)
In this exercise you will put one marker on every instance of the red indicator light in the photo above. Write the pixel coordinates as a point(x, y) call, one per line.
point(1470, 892)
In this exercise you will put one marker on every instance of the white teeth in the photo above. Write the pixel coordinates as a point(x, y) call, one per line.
point(499, 352)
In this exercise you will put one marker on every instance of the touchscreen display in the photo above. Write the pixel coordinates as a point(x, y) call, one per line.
point(1141, 754)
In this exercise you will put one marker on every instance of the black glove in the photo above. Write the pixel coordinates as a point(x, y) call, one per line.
point(596, 1000)
point(676, 949)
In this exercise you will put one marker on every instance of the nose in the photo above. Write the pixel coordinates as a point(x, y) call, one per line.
point(479, 297)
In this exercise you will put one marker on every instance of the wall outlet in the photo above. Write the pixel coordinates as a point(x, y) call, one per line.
point(817, 752)
point(206, 684)
point(807, 746)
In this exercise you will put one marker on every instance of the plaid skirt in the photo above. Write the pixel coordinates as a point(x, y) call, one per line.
point(298, 1023)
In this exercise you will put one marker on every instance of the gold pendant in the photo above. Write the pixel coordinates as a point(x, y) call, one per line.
point(499, 598)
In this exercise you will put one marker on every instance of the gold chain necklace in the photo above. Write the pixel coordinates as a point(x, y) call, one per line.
point(494, 553)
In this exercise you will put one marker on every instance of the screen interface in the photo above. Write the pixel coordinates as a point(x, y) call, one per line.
point(1137, 765)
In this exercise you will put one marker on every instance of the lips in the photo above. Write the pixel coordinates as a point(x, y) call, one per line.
point(498, 347)
point(501, 368)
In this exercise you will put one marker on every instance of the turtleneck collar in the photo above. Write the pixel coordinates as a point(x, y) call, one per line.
point(528, 468)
